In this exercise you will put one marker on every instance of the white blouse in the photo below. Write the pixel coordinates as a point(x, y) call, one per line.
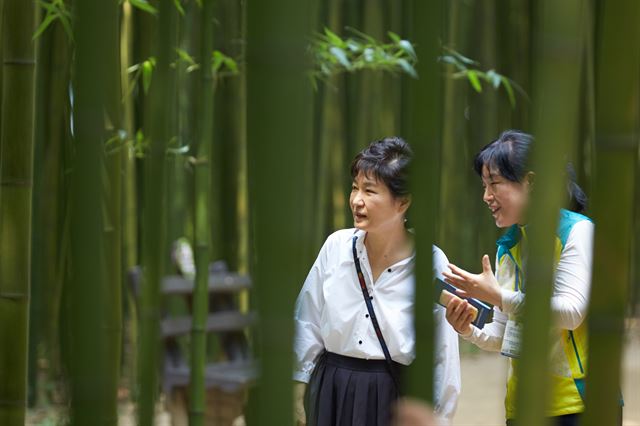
point(330, 314)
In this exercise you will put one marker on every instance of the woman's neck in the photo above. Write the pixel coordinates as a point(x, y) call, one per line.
point(390, 246)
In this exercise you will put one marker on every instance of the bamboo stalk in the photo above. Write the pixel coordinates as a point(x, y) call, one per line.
point(16, 173)
point(556, 78)
point(94, 345)
point(617, 109)
point(278, 135)
point(154, 249)
point(424, 134)
point(197, 394)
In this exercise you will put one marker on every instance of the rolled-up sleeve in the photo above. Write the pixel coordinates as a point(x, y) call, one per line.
point(308, 344)
point(447, 382)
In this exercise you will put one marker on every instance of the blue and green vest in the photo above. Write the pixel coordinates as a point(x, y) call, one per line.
point(568, 354)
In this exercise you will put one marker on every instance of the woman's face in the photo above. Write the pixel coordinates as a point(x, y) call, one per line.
point(507, 200)
point(373, 205)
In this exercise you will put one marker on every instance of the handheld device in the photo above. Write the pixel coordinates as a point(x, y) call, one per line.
point(483, 312)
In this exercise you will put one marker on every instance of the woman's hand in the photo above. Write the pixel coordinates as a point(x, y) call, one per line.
point(460, 315)
point(300, 416)
point(482, 286)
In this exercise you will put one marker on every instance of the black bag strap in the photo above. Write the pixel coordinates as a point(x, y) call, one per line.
point(372, 315)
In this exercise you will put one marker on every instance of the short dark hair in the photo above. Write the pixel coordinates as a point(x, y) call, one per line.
point(387, 160)
point(509, 154)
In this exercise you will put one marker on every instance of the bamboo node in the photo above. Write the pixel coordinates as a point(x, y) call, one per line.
point(13, 296)
point(19, 62)
point(16, 182)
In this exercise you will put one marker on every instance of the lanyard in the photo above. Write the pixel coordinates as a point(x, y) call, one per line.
point(372, 314)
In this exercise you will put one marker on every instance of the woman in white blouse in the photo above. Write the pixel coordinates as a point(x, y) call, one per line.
point(337, 350)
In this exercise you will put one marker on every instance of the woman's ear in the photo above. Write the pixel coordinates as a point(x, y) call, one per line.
point(529, 180)
point(405, 203)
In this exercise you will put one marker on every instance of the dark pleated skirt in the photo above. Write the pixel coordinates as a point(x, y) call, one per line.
point(345, 391)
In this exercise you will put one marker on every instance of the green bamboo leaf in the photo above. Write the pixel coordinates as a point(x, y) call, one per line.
point(354, 46)
point(66, 24)
point(341, 56)
point(48, 19)
point(368, 54)
point(364, 36)
point(56, 9)
point(179, 7)
point(217, 59)
point(333, 38)
point(473, 79)
point(133, 68)
point(147, 73)
point(507, 86)
point(178, 151)
point(184, 55)
point(144, 5)
point(448, 59)
point(231, 65)
point(460, 57)
point(394, 37)
point(494, 78)
point(406, 46)
point(407, 67)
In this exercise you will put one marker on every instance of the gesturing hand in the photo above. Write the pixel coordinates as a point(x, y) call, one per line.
point(483, 286)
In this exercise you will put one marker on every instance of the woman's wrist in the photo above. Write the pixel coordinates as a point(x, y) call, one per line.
point(496, 297)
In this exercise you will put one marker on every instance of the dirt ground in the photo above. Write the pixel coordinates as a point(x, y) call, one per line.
point(484, 385)
point(481, 402)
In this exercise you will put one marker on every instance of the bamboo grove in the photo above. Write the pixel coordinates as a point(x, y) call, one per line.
point(128, 124)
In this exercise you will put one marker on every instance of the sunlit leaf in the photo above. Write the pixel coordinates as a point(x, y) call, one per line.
point(178, 151)
point(144, 5)
point(364, 36)
point(147, 73)
point(179, 7)
point(494, 78)
point(368, 54)
point(184, 55)
point(231, 65)
point(407, 47)
point(340, 56)
point(393, 36)
point(407, 67)
point(354, 46)
point(473, 79)
point(334, 38)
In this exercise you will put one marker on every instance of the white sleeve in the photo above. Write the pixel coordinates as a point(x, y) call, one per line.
point(490, 336)
point(307, 342)
point(572, 281)
point(447, 384)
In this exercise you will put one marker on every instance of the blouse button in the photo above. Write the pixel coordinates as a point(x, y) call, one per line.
point(366, 315)
point(359, 342)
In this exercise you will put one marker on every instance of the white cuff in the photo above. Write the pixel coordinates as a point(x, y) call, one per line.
point(510, 301)
point(300, 376)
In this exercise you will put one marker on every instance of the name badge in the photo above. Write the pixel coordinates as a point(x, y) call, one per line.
point(511, 340)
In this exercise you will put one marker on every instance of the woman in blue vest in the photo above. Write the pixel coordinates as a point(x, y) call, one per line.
point(508, 182)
